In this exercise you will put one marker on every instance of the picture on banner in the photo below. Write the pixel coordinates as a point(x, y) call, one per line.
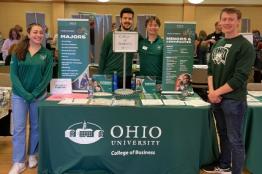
point(183, 81)
point(73, 45)
point(179, 40)
point(81, 82)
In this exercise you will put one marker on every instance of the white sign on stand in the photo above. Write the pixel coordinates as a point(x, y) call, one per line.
point(125, 42)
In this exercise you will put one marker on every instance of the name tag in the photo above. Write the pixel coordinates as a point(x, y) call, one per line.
point(144, 48)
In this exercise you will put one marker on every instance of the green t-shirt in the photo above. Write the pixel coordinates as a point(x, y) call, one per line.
point(230, 62)
point(151, 58)
point(31, 76)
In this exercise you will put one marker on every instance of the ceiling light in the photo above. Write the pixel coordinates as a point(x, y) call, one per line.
point(195, 1)
point(103, 0)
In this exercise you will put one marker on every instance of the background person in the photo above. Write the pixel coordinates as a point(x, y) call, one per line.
point(202, 48)
point(1, 44)
point(257, 43)
point(19, 29)
point(30, 72)
point(216, 35)
point(10, 52)
point(14, 37)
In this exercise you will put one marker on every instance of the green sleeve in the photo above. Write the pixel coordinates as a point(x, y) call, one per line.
point(46, 77)
point(16, 83)
point(106, 46)
point(210, 66)
point(140, 43)
point(210, 61)
point(244, 63)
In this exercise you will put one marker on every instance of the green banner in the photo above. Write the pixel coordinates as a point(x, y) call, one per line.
point(73, 45)
point(178, 56)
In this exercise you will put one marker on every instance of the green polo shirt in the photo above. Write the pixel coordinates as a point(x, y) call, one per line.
point(151, 58)
point(31, 76)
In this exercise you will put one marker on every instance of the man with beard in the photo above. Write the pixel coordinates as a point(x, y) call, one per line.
point(111, 61)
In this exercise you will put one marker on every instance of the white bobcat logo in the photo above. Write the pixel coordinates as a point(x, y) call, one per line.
point(219, 55)
point(42, 57)
point(82, 133)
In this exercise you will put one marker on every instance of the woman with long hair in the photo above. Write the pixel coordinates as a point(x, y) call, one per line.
point(202, 48)
point(13, 38)
point(31, 71)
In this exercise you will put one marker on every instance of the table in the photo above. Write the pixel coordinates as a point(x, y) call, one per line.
point(5, 80)
point(5, 101)
point(253, 139)
point(4, 69)
point(125, 140)
point(199, 76)
point(5, 111)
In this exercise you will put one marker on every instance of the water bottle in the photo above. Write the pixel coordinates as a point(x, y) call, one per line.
point(90, 88)
point(114, 81)
point(133, 82)
point(184, 92)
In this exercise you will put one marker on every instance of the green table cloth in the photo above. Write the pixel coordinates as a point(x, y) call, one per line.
point(253, 139)
point(125, 140)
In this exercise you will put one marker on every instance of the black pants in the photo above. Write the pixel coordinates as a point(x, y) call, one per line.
point(257, 76)
point(5, 125)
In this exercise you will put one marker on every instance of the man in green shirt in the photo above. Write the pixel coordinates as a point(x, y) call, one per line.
point(151, 50)
point(111, 61)
point(230, 64)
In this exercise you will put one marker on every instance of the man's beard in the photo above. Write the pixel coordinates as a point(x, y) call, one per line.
point(129, 26)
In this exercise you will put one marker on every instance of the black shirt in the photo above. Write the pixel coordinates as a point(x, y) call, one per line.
point(216, 37)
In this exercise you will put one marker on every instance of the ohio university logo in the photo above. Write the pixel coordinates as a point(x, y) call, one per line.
point(84, 133)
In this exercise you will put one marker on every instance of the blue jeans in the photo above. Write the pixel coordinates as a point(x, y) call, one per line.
point(229, 115)
point(20, 109)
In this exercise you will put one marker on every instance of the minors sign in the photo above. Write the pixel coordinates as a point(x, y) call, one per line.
point(178, 56)
point(73, 45)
